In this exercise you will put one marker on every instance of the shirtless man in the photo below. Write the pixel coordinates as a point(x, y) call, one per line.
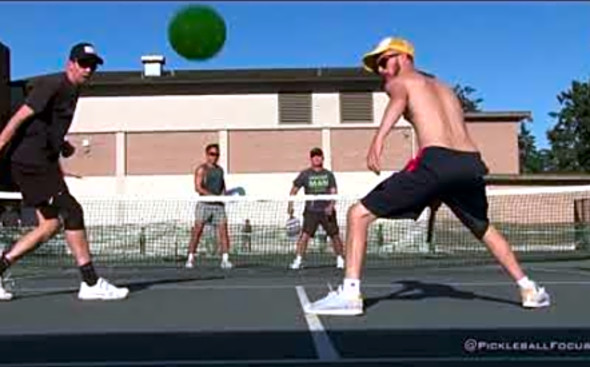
point(448, 169)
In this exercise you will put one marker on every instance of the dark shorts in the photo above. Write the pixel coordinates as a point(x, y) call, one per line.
point(38, 185)
point(311, 221)
point(437, 175)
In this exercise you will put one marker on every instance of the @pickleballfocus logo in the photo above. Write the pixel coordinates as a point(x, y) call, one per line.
point(472, 345)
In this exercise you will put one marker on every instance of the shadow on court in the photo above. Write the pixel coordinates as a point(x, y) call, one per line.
point(134, 286)
point(413, 290)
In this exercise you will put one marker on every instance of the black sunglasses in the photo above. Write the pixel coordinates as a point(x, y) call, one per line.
point(87, 64)
point(213, 154)
point(382, 62)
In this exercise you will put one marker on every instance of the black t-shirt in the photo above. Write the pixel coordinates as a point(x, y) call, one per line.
point(39, 140)
point(316, 183)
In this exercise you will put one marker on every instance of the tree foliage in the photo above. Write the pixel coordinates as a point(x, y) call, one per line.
point(570, 137)
point(469, 103)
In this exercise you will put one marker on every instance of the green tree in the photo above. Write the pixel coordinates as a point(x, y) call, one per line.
point(547, 160)
point(570, 137)
point(533, 160)
point(529, 157)
point(470, 104)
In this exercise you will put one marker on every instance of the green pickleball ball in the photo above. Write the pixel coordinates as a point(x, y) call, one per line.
point(197, 32)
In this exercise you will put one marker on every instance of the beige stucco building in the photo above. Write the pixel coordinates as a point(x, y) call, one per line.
point(138, 134)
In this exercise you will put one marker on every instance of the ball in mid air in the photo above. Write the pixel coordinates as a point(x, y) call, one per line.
point(197, 32)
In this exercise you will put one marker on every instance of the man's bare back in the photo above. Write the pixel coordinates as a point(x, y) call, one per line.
point(435, 112)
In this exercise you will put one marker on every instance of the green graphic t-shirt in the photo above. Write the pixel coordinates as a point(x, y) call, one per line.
point(316, 183)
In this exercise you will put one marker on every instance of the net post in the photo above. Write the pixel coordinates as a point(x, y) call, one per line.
point(430, 231)
point(582, 223)
point(142, 241)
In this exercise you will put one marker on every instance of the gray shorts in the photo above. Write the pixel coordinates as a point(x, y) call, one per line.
point(210, 213)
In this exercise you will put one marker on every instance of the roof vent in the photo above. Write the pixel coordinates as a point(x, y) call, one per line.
point(153, 65)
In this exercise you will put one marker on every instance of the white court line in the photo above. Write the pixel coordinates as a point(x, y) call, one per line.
point(374, 285)
point(323, 344)
point(290, 286)
point(573, 272)
point(273, 362)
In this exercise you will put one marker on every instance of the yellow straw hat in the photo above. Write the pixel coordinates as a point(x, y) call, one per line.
point(387, 44)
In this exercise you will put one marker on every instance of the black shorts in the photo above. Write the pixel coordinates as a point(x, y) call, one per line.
point(38, 185)
point(311, 221)
point(438, 174)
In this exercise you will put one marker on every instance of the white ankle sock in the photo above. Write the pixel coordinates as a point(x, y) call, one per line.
point(191, 257)
point(525, 282)
point(351, 287)
point(225, 257)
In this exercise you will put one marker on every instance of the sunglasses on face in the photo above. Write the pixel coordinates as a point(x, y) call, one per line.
point(382, 62)
point(87, 64)
point(213, 154)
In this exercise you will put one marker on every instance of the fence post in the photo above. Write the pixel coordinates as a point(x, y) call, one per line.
point(582, 223)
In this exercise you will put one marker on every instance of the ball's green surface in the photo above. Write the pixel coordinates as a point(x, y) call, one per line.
point(197, 32)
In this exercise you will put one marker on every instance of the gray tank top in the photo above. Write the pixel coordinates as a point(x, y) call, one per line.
point(213, 179)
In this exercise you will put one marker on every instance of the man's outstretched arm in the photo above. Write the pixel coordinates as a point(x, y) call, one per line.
point(394, 110)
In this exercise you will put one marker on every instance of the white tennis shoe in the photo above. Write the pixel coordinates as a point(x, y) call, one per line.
point(4, 294)
point(102, 290)
point(535, 297)
point(336, 303)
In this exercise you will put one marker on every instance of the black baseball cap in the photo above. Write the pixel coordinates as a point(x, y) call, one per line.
point(85, 51)
point(316, 151)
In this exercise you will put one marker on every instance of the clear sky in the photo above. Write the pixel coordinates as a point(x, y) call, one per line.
point(518, 56)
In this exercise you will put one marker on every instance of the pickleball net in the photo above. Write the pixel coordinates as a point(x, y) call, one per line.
point(542, 224)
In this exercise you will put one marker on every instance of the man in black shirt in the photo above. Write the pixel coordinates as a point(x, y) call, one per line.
point(36, 133)
point(316, 180)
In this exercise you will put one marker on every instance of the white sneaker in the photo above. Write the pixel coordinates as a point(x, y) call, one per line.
point(336, 303)
point(189, 264)
point(226, 264)
point(296, 264)
point(340, 262)
point(535, 297)
point(102, 290)
point(4, 294)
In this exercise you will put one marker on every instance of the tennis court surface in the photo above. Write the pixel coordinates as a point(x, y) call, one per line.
point(428, 304)
point(242, 317)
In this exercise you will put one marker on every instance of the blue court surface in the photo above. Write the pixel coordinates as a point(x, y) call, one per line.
point(246, 317)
